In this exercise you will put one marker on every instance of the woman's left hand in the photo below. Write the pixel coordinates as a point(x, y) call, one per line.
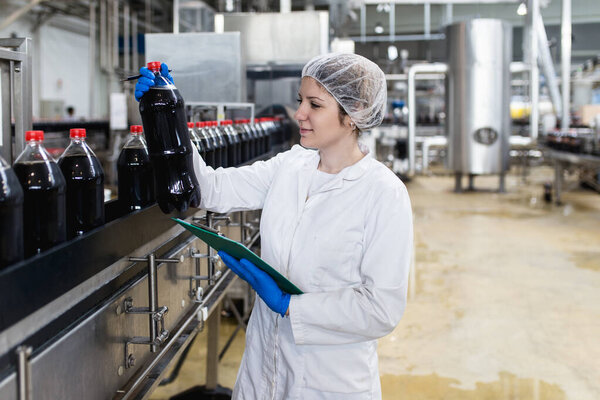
point(265, 286)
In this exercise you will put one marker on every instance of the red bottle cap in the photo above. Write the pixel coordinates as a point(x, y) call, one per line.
point(199, 124)
point(137, 129)
point(154, 66)
point(37, 136)
point(190, 124)
point(77, 133)
point(223, 123)
point(214, 123)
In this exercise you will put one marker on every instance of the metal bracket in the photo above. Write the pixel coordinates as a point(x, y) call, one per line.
point(157, 316)
point(197, 292)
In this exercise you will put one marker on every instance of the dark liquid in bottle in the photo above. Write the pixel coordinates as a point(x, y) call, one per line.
point(11, 218)
point(170, 147)
point(85, 193)
point(136, 179)
point(44, 216)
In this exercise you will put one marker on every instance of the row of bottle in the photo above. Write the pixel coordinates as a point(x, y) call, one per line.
point(44, 202)
point(229, 144)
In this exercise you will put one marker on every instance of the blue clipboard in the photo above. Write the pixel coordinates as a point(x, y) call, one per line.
point(239, 251)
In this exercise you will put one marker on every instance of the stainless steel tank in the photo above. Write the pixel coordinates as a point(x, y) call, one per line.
point(478, 96)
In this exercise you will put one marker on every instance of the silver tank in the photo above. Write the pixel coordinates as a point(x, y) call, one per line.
point(478, 95)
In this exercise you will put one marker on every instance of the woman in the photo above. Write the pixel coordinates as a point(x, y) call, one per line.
point(338, 224)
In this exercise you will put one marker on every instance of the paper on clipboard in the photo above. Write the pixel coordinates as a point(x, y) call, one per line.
point(239, 251)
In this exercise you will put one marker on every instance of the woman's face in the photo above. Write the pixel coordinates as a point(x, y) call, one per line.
point(318, 117)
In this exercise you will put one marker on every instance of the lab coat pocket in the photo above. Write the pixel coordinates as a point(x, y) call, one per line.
point(337, 266)
point(340, 369)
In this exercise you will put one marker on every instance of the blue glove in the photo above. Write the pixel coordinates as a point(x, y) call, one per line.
point(265, 286)
point(146, 81)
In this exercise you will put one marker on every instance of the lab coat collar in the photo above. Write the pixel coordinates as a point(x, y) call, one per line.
point(350, 173)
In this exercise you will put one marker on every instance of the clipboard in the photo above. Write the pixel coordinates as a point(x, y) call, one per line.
point(220, 242)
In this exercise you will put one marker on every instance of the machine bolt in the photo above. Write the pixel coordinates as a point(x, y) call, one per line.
point(17, 69)
point(130, 361)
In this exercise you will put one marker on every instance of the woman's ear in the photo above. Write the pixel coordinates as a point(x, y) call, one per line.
point(348, 123)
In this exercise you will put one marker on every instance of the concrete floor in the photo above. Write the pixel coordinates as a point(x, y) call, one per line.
point(504, 301)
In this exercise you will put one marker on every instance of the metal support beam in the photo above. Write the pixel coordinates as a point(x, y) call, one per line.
point(545, 59)
point(18, 14)
point(533, 15)
point(565, 55)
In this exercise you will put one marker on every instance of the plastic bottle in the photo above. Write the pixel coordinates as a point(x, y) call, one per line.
point(11, 216)
point(85, 185)
point(261, 136)
point(209, 144)
point(196, 140)
point(44, 189)
point(245, 140)
point(238, 142)
point(135, 173)
point(232, 143)
point(221, 135)
point(253, 138)
point(169, 144)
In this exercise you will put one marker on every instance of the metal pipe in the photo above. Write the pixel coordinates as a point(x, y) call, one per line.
point(392, 22)
point(115, 32)
point(285, 6)
point(18, 14)
point(363, 22)
point(565, 55)
point(126, 49)
point(534, 88)
point(398, 38)
point(24, 372)
point(412, 76)
point(175, 16)
point(153, 299)
point(103, 34)
point(92, 55)
point(134, 35)
point(427, 19)
point(449, 12)
point(545, 59)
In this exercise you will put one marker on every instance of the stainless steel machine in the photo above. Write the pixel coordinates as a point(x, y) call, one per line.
point(106, 314)
point(478, 98)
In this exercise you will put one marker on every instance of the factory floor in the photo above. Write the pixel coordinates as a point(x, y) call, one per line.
point(504, 301)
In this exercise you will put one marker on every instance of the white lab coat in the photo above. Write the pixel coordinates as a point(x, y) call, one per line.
point(348, 248)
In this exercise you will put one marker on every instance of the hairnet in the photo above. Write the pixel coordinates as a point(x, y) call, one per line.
point(355, 82)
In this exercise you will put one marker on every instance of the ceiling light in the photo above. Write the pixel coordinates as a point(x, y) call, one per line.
point(378, 28)
point(522, 10)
